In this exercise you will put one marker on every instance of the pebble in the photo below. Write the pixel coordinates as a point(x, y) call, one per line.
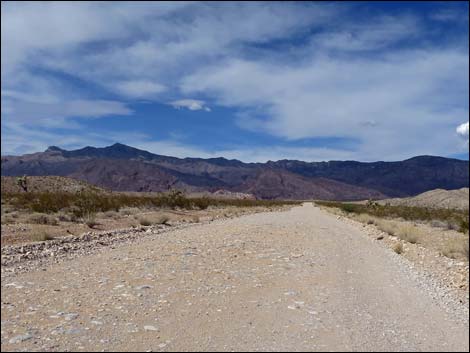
point(70, 317)
point(150, 328)
point(20, 338)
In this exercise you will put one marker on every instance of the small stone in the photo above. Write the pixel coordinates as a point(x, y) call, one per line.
point(145, 286)
point(21, 338)
point(71, 316)
point(150, 328)
point(380, 237)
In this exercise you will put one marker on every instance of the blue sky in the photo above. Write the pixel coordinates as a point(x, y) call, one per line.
point(252, 81)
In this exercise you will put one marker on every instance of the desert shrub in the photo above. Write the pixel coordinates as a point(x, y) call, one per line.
point(129, 211)
point(145, 221)
point(90, 219)
point(85, 202)
point(456, 218)
point(398, 248)
point(41, 237)
point(162, 219)
point(349, 208)
point(387, 227)
point(464, 225)
point(365, 218)
point(38, 218)
point(111, 214)
point(63, 217)
point(455, 248)
point(409, 233)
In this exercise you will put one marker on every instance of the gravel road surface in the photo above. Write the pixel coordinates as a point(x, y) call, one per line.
point(297, 280)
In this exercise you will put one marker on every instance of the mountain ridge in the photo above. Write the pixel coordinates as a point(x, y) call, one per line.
point(125, 168)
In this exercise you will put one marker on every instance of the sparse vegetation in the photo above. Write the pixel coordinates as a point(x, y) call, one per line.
point(82, 203)
point(145, 221)
point(41, 237)
point(22, 182)
point(162, 219)
point(456, 248)
point(409, 233)
point(90, 219)
point(39, 218)
point(451, 217)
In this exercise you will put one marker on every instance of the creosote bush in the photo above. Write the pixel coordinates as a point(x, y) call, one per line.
point(83, 203)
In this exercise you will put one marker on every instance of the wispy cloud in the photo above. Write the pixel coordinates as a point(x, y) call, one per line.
point(140, 88)
point(191, 104)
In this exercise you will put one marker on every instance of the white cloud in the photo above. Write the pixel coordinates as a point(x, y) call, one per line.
point(191, 104)
point(371, 35)
point(140, 88)
point(462, 130)
point(391, 99)
point(401, 93)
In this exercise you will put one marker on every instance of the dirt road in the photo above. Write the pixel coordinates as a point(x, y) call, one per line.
point(297, 280)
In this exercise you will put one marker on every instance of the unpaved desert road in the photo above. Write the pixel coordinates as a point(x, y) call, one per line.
point(299, 280)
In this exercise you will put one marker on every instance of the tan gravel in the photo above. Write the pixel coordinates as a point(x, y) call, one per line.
point(297, 280)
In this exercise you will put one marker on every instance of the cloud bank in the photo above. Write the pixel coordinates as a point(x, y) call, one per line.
point(291, 71)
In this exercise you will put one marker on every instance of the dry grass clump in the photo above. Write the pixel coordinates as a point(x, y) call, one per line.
point(398, 248)
point(145, 221)
point(365, 218)
point(39, 218)
point(111, 214)
point(409, 233)
point(90, 219)
point(456, 248)
point(43, 236)
point(129, 211)
point(457, 219)
point(387, 227)
point(162, 219)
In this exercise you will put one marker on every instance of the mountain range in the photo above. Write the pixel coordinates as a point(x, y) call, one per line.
point(124, 168)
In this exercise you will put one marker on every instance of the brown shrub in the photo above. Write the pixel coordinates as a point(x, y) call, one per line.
point(398, 248)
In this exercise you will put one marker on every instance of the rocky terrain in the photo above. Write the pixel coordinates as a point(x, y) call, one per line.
point(282, 281)
point(48, 184)
point(123, 168)
point(454, 199)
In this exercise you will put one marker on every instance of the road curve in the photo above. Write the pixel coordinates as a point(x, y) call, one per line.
point(298, 280)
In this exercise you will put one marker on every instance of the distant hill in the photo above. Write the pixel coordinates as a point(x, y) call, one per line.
point(124, 168)
point(455, 199)
point(48, 184)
